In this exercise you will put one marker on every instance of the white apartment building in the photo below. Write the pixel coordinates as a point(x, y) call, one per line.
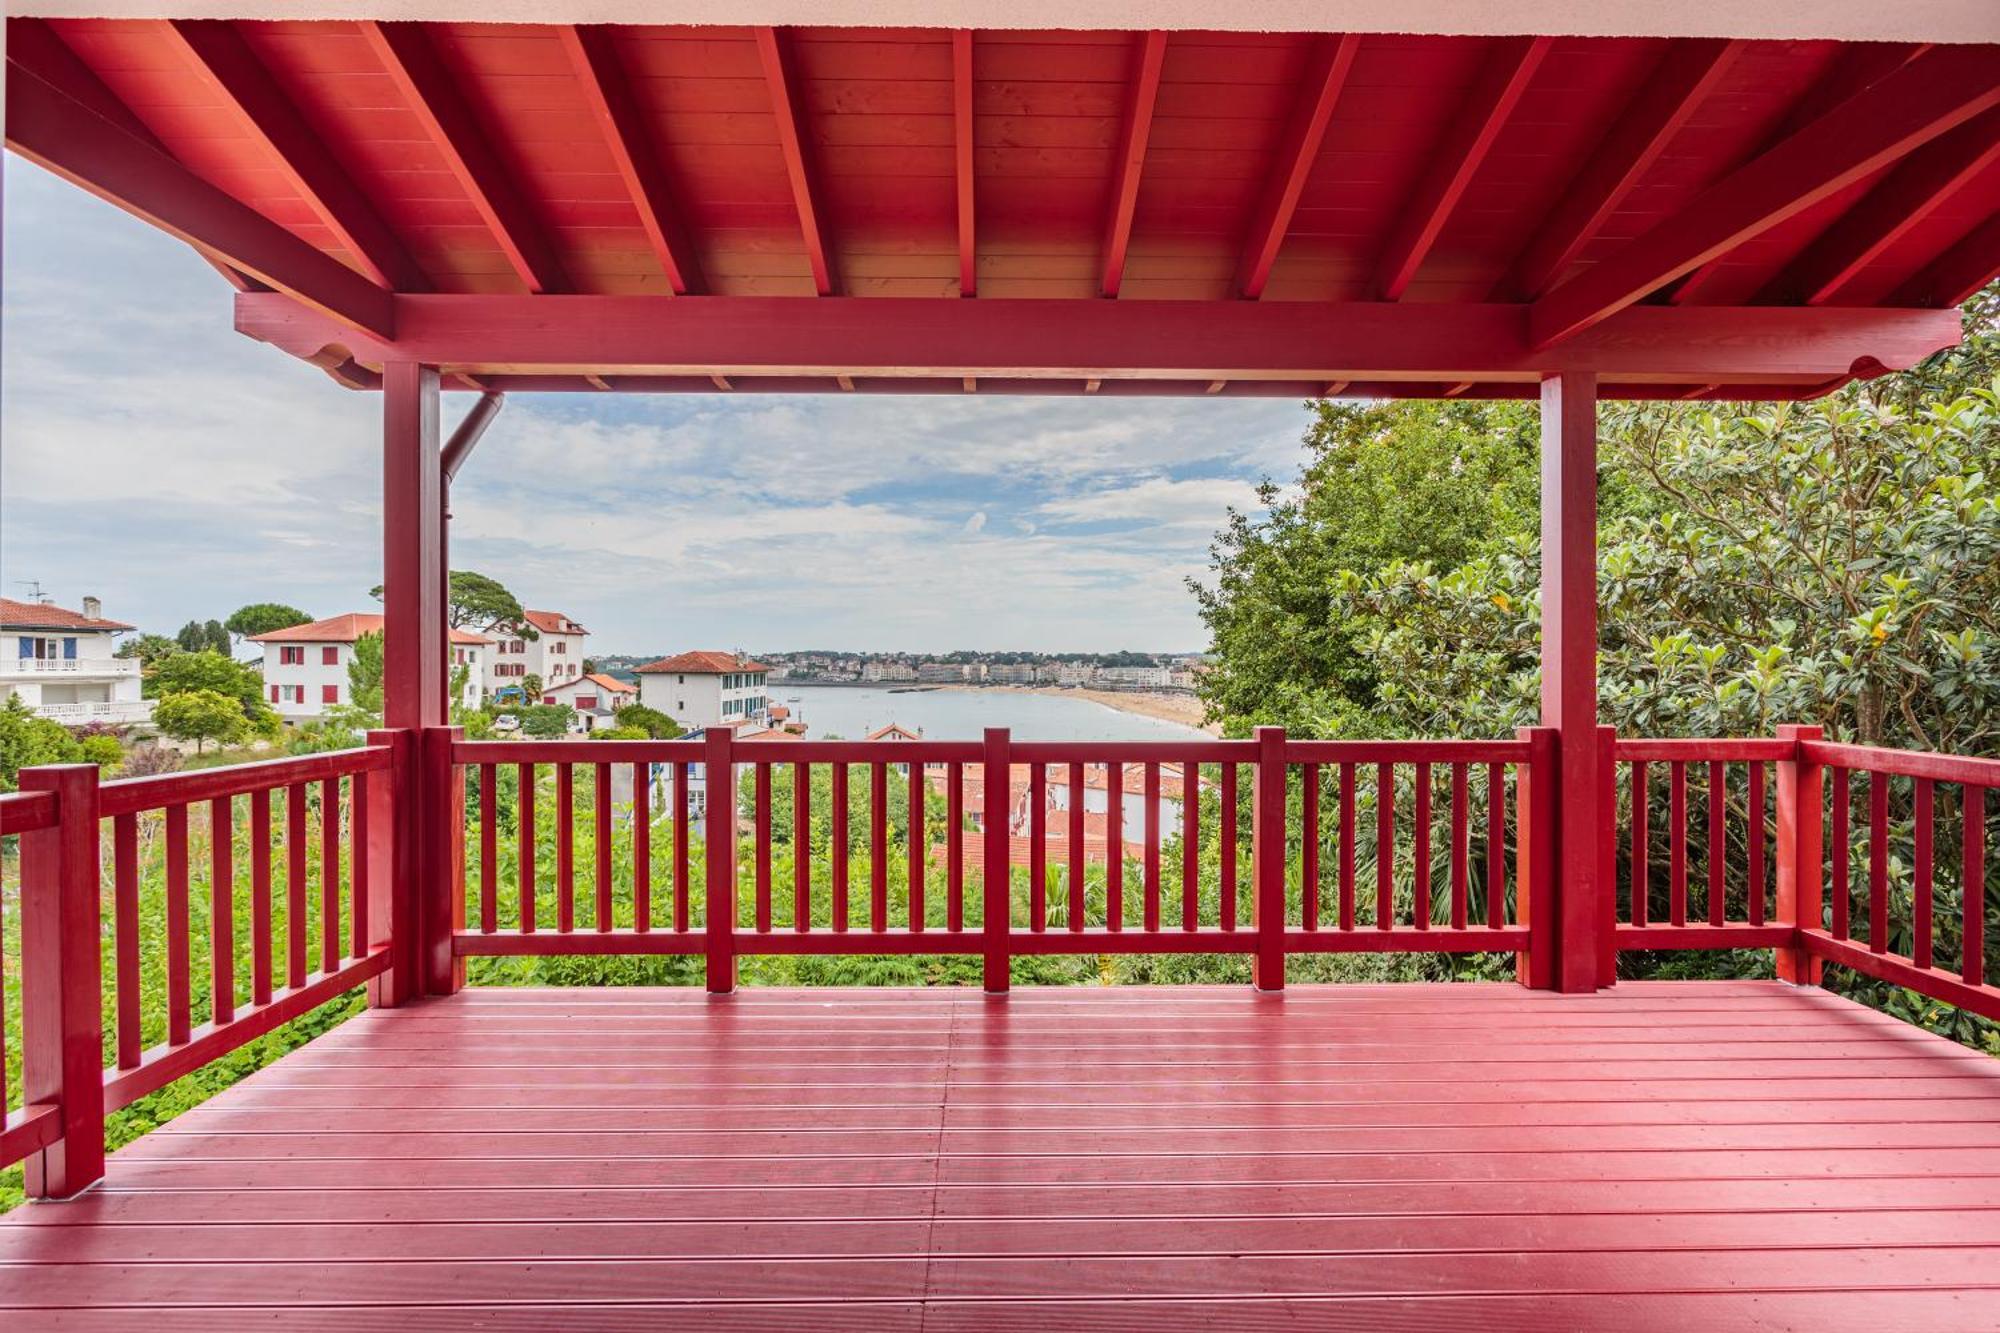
point(888, 671)
point(1011, 673)
point(706, 689)
point(554, 655)
point(1133, 678)
point(305, 667)
point(61, 663)
point(1073, 674)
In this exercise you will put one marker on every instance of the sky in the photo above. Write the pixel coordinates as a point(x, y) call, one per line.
point(152, 457)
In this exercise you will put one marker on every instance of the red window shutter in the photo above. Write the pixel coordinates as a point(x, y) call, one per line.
point(586, 701)
point(329, 694)
point(329, 656)
point(274, 694)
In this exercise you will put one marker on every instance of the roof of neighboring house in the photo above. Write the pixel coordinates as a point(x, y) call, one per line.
point(779, 712)
point(895, 731)
point(703, 663)
point(42, 615)
point(553, 622)
point(603, 682)
point(346, 629)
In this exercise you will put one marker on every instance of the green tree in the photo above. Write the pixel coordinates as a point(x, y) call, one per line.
point(478, 602)
point(545, 721)
point(651, 722)
point(150, 649)
point(264, 618)
point(27, 740)
point(364, 677)
point(531, 688)
point(210, 670)
point(201, 716)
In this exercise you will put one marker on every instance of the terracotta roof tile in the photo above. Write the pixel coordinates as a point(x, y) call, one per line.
point(41, 615)
point(702, 663)
point(346, 629)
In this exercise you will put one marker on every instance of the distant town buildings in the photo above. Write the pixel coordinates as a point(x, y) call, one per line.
point(62, 663)
point(305, 667)
point(706, 689)
point(553, 656)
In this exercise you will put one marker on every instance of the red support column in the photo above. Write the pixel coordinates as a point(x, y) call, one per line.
point(413, 652)
point(1267, 860)
point(62, 1016)
point(719, 833)
point(997, 877)
point(1801, 852)
point(1569, 668)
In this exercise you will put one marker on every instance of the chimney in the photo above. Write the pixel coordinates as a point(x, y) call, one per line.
point(93, 609)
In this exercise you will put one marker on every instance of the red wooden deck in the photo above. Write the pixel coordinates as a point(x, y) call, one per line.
point(1722, 1155)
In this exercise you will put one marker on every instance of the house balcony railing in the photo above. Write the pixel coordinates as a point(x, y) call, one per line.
point(109, 668)
point(101, 710)
point(392, 864)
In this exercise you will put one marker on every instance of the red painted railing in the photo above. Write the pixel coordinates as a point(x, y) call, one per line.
point(994, 850)
point(313, 917)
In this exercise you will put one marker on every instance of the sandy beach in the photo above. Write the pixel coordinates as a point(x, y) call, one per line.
point(1182, 708)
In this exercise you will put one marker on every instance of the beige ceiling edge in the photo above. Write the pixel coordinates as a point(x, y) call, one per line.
point(1849, 20)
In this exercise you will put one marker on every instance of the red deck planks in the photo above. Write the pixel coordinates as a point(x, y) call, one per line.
point(1727, 1154)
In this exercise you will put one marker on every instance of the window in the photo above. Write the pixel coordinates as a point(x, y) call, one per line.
point(274, 694)
point(292, 655)
point(329, 656)
point(329, 694)
point(586, 701)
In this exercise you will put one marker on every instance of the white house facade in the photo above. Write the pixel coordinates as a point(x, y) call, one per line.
point(706, 689)
point(62, 664)
point(554, 656)
point(305, 667)
point(595, 697)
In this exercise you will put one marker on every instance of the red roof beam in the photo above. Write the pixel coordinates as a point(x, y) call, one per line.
point(1327, 67)
point(593, 53)
point(432, 93)
point(56, 132)
point(1898, 202)
point(962, 163)
point(266, 114)
point(1956, 274)
point(1936, 92)
point(1656, 113)
point(1467, 140)
point(774, 51)
point(1134, 133)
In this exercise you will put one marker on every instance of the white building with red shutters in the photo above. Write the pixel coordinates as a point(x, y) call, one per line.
point(596, 697)
point(554, 656)
point(63, 663)
point(707, 689)
point(305, 667)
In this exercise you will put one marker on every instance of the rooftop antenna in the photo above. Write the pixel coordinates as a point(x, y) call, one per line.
point(35, 589)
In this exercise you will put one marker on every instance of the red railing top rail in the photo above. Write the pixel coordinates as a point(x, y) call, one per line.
point(1753, 749)
point(129, 796)
point(1904, 763)
point(26, 811)
point(1407, 752)
point(800, 750)
point(575, 752)
point(1207, 751)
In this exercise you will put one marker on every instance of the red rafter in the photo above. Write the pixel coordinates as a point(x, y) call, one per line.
point(961, 136)
point(1929, 96)
point(1683, 77)
point(593, 54)
point(1855, 68)
point(772, 50)
point(264, 112)
point(1502, 80)
point(87, 150)
point(1956, 274)
point(1900, 200)
point(1143, 93)
point(1326, 72)
point(433, 95)
point(35, 47)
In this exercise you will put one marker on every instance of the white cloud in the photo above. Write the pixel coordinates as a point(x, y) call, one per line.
point(977, 522)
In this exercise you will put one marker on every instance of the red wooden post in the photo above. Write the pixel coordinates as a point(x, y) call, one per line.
point(1535, 852)
point(1607, 852)
point(1800, 854)
point(392, 904)
point(996, 887)
point(1569, 669)
point(62, 1037)
point(719, 832)
point(1267, 860)
point(441, 896)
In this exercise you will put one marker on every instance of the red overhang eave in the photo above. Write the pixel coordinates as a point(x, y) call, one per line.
point(1150, 211)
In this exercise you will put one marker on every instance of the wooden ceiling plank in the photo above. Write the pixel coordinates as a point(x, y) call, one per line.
point(1327, 67)
point(69, 139)
point(593, 54)
point(1896, 203)
point(773, 51)
point(1941, 89)
point(432, 93)
point(1467, 139)
point(1955, 275)
point(1684, 76)
point(267, 114)
point(962, 160)
point(1136, 130)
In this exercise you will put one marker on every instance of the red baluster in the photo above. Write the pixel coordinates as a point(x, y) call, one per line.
point(177, 925)
point(565, 850)
point(222, 911)
point(1309, 850)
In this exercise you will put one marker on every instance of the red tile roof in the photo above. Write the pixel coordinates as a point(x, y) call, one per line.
point(346, 629)
point(702, 663)
point(553, 622)
point(41, 615)
point(895, 731)
point(603, 682)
